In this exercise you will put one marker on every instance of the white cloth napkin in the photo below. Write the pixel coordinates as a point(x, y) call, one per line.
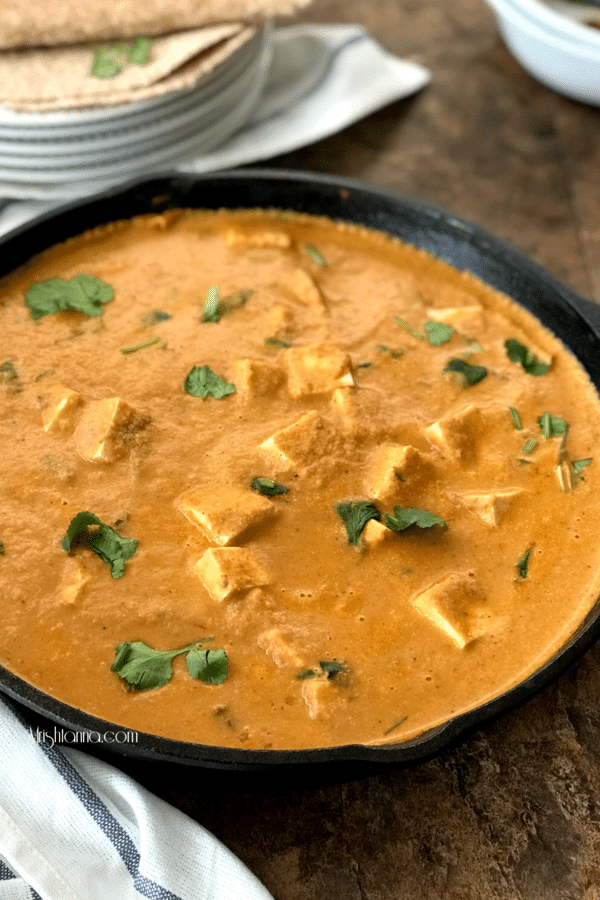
point(322, 79)
point(74, 828)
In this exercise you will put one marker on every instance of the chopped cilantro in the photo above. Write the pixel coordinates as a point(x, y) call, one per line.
point(83, 293)
point(9, 378)
point(235, 301)
point(470, 374)
point(268, 487)
point(2, 549)
point(529, 445)
point(438, 333)
point(519, 353)
point(157, 315)
point(523, 565)
point(409, 328)
point(104, 65)
point(138, 52)
point(331, 670)
point(355, 514)
point(395, 354)
point(516, 419)
point(276, 342)
point(552, 426)
point(210, 311)
point(395, 725)
point(404, 518)
point(315, 254)
point(202, 381)
point(103, 541)
point(135, 347)
point(143, 668)
point(579, 465)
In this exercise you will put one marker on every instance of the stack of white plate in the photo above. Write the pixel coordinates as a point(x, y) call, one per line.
point(100, 146)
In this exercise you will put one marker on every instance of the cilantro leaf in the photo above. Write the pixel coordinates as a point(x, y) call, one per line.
point(519, 353)
point(552, 426)
point(138, 51)
point(104, 65)
point(156, 315)
point(143, 668)
point(210, 311)
point(523, 565)
point(409, 328)
point(395, 725)
point(202, 381)
point(104, 542)
point(329, 670)
point(83, 293)
point(470, 374)
point(276, 342)
point(529, 445)
point(2, 549)
point(9, 378)
point(404, 518)
point(315, 254)
point(516, 419)
point(268, 487)
point(355, 514)
point(438, 333)
point(209, 666)
point(580, 464)
point(135, 347)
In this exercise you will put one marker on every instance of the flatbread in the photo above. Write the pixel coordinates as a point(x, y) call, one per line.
point(44, 79)
point(27, 23)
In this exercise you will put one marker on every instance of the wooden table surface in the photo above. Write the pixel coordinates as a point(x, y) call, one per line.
point(513, 812)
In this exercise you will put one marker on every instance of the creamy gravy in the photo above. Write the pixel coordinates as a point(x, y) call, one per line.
point(340, 395)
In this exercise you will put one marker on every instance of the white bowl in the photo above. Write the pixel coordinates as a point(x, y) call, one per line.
point(559, 51)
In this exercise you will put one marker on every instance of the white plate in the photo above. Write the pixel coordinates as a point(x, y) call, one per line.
point(171, 124)
point(201, 142)
point(71, 123)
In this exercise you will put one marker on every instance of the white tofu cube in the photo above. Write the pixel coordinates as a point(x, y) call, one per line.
point(107, 429)
point(490, 506)
point(225, 514)
point(59, 407)
point(236, 237)
point(303, 442)
point(281, 649)
point(229, 572)
point(469, 316)
point(304, 288)
point(374, 534)
point(258, 378)
point(396, 467)
point(456, 606)
point(457, 434)
point(317, 369)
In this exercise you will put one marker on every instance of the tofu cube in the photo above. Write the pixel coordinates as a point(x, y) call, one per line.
point(303, 287)
point(457, 434)
point(468, 316)
point(224, 514)
point(325, 698)
point(374, 534)
point(230, 572)
point(303, 442)
point(257, 378)
point(396, 466)
point(73, 582)
point(59, 407)
point(236, 237)
point(107, 429)
point(278, 320)
point(317, 369)
point(456, 606)
point(281, 648)
point(490, 506)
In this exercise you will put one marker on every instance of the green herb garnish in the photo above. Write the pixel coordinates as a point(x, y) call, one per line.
point(552, 426)
point(395, 725)
point(276, 342)
point(143, 668)
point(328, 668)
point(83, 293)
point(103, 541)
point(395, 354)
point(405, 518)
point(142, 346)
point(104, 65)
point(157, 315)
point(519, 353)
point(235, 301)
point(9, 378)
point(355, 514)
point(202, 381)
point(523, 565)
point(268, 487)
point(315, 254)
point(409, 328)
point(516, 419)
point(138, 52)
point(2, 549)
point(438, 333)
point(578, 465)
point(529, 445)
point(210, 311)
point(474, 347)
point(470, 374)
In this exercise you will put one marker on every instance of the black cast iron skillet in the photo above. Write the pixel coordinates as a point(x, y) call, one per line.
point(574, 320)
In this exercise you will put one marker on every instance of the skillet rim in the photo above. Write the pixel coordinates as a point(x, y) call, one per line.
point(464, 244)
